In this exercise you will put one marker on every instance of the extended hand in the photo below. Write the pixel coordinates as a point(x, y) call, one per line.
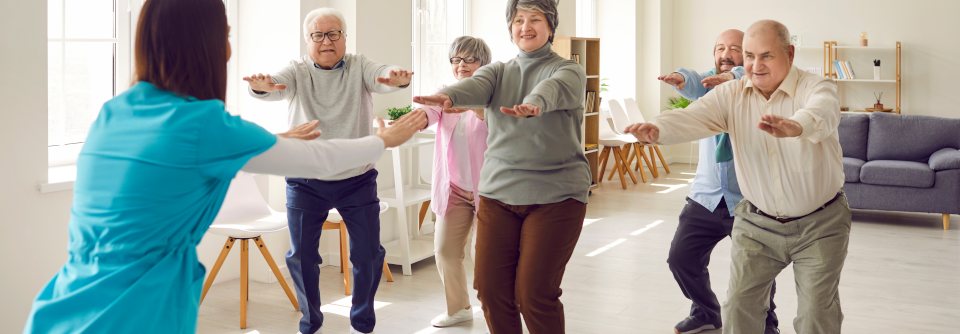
point(522, 111)
point(303, 131)
point(673, 79)
point(717, 79)
point(440, 100)
point(263, 83)
point(403, 128)
point(646, 133)
point(397, 78)
point(779, 127)
point(418, 109)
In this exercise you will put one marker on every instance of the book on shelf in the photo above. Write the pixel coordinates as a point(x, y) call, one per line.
point(589, 102)
point(576, 57)
point(838, 69)
point(846, 70)
point(587, 147)
point(850, 70)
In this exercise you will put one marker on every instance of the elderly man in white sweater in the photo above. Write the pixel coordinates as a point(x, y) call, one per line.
point(333, 88)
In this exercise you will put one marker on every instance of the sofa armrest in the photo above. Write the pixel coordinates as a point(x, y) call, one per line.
point(945, 158)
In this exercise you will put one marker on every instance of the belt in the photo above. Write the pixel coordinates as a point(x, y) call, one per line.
point(790, 219)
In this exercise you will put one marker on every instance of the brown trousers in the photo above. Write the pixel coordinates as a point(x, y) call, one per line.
point(522, 251)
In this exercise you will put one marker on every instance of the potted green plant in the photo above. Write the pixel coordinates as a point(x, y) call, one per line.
point(395, 113)
point(677, 102)
point(603, 88)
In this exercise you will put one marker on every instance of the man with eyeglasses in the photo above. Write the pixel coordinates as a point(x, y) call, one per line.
point(333, 88)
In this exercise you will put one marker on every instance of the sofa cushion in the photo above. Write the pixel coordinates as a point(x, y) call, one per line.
point(910, 137)
point(897, 173)
point(851, 169)
point(853, 135)
point(944, 159)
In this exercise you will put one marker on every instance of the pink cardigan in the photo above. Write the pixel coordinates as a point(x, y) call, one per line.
point(442, 165)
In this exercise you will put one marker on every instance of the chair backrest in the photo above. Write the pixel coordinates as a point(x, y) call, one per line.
point(243, 200)
point(633, 110)
point(620, 120)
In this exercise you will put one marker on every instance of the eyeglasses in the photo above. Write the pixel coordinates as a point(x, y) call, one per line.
point(468, 60)
point(318, 37)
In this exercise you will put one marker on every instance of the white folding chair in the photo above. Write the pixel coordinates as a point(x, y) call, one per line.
point(244, 215)
point(612, 143)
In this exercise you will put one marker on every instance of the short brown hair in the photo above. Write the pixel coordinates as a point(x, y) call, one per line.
point(181, 47)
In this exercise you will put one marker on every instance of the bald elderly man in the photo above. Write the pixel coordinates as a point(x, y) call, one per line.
point(707, 218)
point(782, 124)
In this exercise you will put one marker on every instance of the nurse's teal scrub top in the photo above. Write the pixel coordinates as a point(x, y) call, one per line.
point(150, 180)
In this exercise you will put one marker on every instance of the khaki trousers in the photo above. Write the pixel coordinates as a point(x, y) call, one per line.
point(450, 240)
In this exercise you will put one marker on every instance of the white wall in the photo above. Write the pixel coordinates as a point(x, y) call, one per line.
point(924, 27)
point(34, 237)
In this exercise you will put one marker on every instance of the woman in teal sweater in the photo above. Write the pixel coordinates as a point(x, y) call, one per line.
point(535, 178)
point(153, 173)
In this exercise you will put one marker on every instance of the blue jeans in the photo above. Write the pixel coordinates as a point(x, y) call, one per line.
point(308, 202)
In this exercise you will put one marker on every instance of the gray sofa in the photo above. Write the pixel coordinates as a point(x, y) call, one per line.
point(902, 163)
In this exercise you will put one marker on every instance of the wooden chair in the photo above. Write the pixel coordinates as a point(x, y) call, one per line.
point(335, 222)
point(633, 115)
point(244, 215)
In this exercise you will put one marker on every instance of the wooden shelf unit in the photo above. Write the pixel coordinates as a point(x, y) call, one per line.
point(588, 50)
point(831, 53)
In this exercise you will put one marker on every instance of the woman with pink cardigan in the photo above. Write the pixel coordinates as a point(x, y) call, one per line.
point(458, 156)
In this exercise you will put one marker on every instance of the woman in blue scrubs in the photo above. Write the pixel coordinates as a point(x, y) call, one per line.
point(154, 171)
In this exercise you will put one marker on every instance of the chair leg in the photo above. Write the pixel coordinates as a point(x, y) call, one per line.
point(653, 170)
point(662, 161)
point(639, 148)
point(276, 272)
point(626, 167)
point(653, 166)
point(617, 158)
point(423, 212)
point(946, 221)
point(216, 268)
point(624, 154)
point(344, 258)
point(244, 281)
point(604, 156)
point(386, 271)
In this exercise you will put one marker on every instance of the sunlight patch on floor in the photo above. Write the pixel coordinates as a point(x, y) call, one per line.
point(590, 221)
point(670, 187)
point(605, 248)
point(651, 225)
point(341, 307)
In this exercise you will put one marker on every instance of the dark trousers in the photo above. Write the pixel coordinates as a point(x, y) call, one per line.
point(698, 233)
point(522, 251)
point(308, 202)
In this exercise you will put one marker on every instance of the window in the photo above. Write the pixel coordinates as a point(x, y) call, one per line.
point(436, 23)
point(88, 62)
point(586, 18)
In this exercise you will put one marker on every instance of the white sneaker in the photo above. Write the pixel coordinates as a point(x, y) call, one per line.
point(319, 331)
point(445, 320)
point(355, 331)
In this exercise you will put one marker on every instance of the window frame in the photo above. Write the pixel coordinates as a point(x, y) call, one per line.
point(66, 154)
point(418, 44)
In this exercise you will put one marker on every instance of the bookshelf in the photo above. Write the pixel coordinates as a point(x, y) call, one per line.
point(586, 51)
point(831, 53)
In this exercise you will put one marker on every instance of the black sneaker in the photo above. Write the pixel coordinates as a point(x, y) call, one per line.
point(771, 329)
point(692, 325)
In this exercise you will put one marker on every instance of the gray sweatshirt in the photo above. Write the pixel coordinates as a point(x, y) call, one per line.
point(535, 160)
point(340, 98)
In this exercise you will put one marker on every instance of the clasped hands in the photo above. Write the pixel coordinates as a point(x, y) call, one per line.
point(776, 126)
point(443, 100)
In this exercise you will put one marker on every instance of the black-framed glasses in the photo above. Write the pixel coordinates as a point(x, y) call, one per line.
point(468, 60)
point(318, 37)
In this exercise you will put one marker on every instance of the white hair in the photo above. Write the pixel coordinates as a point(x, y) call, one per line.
point(321, 12)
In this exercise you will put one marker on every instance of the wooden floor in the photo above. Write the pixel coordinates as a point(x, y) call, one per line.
point(902, 275)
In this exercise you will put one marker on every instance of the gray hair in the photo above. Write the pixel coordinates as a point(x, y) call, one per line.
point(547, 7)
point(321, 12)
point(777, 28)
point(471, 46)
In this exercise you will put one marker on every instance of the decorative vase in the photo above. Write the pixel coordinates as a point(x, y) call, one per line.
point(876, 73)
point(878, 106)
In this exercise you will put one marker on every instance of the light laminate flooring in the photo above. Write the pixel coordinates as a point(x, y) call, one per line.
point(902, 275)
